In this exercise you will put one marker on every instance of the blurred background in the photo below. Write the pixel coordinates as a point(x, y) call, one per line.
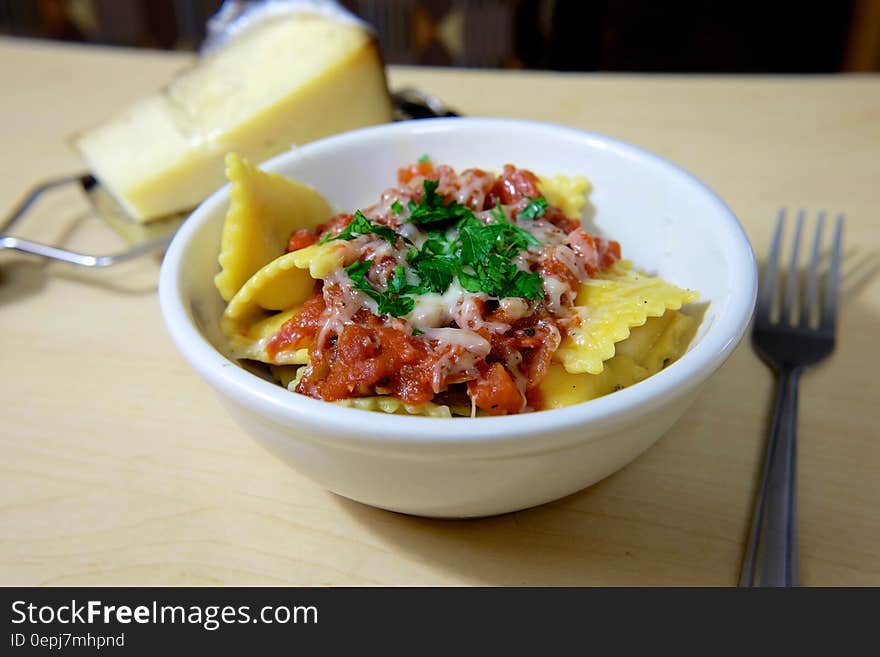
point(707, 36)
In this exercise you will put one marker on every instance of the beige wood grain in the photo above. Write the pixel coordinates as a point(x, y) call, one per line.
point(120, 466)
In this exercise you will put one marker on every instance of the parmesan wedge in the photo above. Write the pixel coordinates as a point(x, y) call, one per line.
point(284, 82)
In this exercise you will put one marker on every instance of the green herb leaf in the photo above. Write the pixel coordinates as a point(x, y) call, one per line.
point(476, 241)
point(360, 225)
point(534, 209)
point(469, 282)
point(435, 273)
point(396, 207)
point(357, 271)
point(432, 210)
point(424, 158)
point(417, 331)
point(480, 256)
point(397, 283)
point(498, 213)
point(526, 285)
point(389, 304)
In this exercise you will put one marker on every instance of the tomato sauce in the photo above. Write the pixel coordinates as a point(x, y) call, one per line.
point(496, 391)
point(370, 358)
point(334, 225)
point(406, 174)
point(301, 329)
point(511, 186)
point(364, 354)
point(300, 239)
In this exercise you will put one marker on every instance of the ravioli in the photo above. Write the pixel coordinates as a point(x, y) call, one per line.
point(609, 306)
point(648, 349)
point(264, 209)
point(287, 375)
point(286, 281)
point(569, 193)
point(250, 339)
point(622, 326)
point(393, 405)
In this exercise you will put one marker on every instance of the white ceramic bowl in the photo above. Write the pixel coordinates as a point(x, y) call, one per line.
point(666, 221)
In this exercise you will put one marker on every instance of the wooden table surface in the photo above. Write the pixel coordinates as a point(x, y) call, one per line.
point(121, 467)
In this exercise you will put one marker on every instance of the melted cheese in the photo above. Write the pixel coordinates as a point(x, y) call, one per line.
point(460, 351)
point(558, 292)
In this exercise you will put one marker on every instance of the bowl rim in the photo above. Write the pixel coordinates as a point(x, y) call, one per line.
point(347, 425)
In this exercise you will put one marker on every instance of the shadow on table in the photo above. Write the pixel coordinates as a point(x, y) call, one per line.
point(563, 543)
point(639, 527)
point(20, 279)
point(22, 276)
point(657, 522)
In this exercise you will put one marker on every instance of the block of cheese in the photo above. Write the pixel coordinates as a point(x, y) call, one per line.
point(283, 82)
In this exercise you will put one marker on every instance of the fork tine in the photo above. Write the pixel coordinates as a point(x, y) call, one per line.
point(829, 309)
point(811, 300)
point(791, 281)
point(771, 271)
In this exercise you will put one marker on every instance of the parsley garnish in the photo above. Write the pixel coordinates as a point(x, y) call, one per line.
point(534, 209)
point(424, 158)
point(397, 283)
point(480, 256)
point(478, 239)
point(499, 277)
point(360, 225)
point(486, 254)
point(418, 331)
point(388, 303)
point(435, 273)
point(396, 207)
point(526, 285)
point(432, 209)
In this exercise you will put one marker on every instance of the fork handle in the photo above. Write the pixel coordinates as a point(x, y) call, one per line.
point(771, 558)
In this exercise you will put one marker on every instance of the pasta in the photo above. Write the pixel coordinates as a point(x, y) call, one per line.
point(610, 305)
point(468, 293)
point(263, 210)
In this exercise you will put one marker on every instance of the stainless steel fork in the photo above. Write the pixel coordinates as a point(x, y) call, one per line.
point(793, 329)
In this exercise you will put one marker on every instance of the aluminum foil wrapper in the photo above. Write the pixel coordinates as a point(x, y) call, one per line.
point(238, 16)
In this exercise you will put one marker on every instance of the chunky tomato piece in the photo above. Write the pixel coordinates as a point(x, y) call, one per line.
point(405, 174)
point(479, 183)
point(596, 253)
point(553, 267)
point(334, 225)
point(609, 252)
point(512, 185)
point(531, 341)
point(369, 358)
point(300, 239)
point(555, 216)
point(496, 391)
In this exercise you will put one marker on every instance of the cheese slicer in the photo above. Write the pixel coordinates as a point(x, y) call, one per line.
point(151, 237)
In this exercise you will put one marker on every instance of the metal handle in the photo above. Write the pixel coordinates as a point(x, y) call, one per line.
point(771, 558)
point(88, 184)
point(82, 259)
